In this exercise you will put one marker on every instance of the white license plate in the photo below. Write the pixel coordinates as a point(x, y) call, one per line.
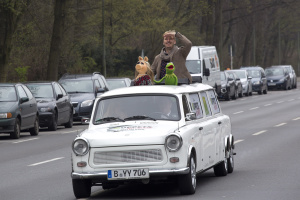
point(271, 83)
point(127, 174)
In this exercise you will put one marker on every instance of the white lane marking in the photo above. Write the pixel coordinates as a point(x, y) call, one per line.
point(291, 100)
point(25, 140)
point(39, 163)
point(238, 141)
point(238, 112)
point(268, 104)
point(78, 131)
point(280, 102)
point(260, 132)
point(280, 124)
point(296, 118)
point(253, 108)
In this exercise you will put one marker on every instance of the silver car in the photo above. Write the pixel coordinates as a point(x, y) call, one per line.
point(246, 81)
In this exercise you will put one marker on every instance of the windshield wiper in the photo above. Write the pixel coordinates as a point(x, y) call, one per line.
point(108, 119)
point(139, 117)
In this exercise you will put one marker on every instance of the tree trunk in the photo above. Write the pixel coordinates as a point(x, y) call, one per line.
point(56, 40)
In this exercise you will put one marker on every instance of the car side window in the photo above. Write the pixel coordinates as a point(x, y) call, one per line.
point(205, 102)
point(57, 89)
point(21, 92)
point(185, 105)
point(29, 94)
point(62, 89)
point(102, 84)
point(196, 105)
point(214, 102)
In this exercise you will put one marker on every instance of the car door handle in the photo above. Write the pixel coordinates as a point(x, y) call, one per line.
point(201, 128)
point(219, 122)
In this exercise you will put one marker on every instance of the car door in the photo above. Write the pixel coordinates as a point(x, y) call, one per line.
point(26, 109)
point(61, 103)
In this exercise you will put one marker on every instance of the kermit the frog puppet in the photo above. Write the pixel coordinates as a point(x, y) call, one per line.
point(170, 78)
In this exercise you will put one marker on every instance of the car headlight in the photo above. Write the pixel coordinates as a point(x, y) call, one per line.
point(282, 80)
point(256, 82)
point(80, 146)
point(223, 86)
point(173, 142)
point(46, 109)
point(87, 103)
point(5, 115)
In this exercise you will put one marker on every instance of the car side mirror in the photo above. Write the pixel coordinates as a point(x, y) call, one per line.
point(100, 90)
point(24, 99)
point(206, 72)
point(238, 79)
point(59, 96)
point(190, 116)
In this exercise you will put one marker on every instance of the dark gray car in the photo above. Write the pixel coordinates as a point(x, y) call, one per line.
point(83, 89)
point(18, 110)
point(54, 104)
point(259, 80)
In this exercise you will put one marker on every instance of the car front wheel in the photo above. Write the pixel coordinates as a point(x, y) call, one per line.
point(17, 129)
point(53, 125)
point(187, 183)
point(221, 169)
point(69, 124)
point(81, 188)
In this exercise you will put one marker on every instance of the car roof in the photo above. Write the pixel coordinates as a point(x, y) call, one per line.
point(81, 76)
point(157, 89)
point(40, 82)
point(10, 84)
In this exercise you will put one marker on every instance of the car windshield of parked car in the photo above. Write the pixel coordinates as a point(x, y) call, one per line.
point(114, 84)
point(254, 73)
point(8, 93)
point(78, 86)
point(274, 72)
point(240, 74)
point(138, 107)
point(41, 90)
point(193, 66)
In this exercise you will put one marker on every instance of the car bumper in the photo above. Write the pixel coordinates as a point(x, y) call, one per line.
point(152, 172)
point(256, 88)
point(280, 85)
point(45, 119)
point(82, 114)
point(7, 125)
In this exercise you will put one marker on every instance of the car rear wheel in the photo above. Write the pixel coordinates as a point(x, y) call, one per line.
point(187, 183)
point(81, 188)
point(230, 161)
point(221, 169)
point(69, 124)
point(17, 129)
point(53, 125)
point(35, 130)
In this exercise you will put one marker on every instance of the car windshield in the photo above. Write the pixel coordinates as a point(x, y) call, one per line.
point(274, 72)
point(139, 107)
point(114, 84)
point(240, 74)
point(41, 90)
point(254, 73)
point(78, 86)
point(8, 93)
point(194, 66)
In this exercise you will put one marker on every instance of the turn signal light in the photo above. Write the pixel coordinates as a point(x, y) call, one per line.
point(81, 164)
point(174, 159)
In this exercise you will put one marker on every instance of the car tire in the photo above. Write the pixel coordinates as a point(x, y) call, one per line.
point(81, 188)
point(187, 183)
point(69, 124)
point(35, 129)
point(235, 95)
point(230, 161)
point(53, 125)
point(265, 91)
point(17, 130)
point(221, 169)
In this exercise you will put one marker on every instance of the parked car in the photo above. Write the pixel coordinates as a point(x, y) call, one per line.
point(228, 90)
point(160, 133)
point(54, 104)
point(278, 78)
point(245, 79)
point(237, 81)
point(259, 80)
point(292, 74)
point(114, 83)
point(18, 110)
point(83, 89)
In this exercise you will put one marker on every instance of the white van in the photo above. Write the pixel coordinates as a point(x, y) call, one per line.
point(204, 67)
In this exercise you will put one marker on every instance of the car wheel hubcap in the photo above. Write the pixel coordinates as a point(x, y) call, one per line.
point(193, 173)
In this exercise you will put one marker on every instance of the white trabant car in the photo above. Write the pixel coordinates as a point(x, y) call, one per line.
point(152, 133)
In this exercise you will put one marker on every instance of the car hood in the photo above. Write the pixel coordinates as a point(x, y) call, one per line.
point(275, 77)
point(7, 106)
point(129, 133)
point(80, 97)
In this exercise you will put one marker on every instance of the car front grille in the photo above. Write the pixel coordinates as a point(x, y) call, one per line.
point(75, 104)
point(125, 157)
